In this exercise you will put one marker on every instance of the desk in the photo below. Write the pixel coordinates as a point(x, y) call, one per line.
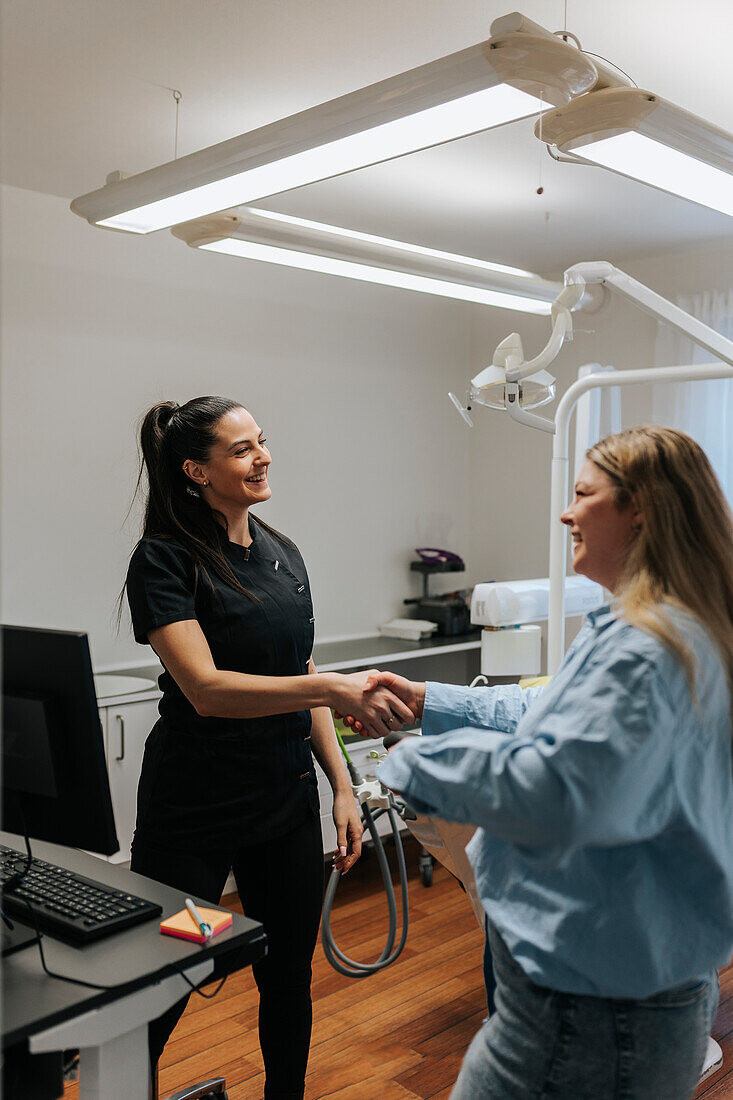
point(110, 1027)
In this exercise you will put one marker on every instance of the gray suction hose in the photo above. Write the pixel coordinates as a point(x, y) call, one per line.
point(341, 962)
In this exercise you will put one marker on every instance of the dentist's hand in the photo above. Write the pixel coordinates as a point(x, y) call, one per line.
point(410, 692)
point(349, 829)
point(375, 710)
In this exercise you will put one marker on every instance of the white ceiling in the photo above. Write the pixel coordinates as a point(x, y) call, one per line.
point(84, 92)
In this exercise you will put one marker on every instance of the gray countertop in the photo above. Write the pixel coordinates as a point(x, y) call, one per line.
point(358, 652)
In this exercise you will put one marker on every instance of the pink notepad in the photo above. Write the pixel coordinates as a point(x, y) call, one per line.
point(183, 925)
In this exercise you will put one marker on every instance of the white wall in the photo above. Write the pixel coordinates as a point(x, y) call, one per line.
point(349, 382)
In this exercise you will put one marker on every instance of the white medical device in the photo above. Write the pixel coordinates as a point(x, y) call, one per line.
point(510, 603)
point(509, 645)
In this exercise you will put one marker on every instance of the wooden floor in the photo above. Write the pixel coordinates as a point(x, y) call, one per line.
point(398, 1035)
point(720, 1085)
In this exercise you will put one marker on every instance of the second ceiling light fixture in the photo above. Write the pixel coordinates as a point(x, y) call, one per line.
point(254, 234)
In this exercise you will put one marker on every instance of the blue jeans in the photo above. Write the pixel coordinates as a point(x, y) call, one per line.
point(542, 1044)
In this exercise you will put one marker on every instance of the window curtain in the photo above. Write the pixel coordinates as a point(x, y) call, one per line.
point(597, 414)
point(703, 410)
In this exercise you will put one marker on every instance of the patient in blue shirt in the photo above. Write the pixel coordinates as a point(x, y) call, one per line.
point(604, 853)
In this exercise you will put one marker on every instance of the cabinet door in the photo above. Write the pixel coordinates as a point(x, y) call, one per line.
point(126, 728)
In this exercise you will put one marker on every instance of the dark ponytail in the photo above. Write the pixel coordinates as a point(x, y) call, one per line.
point(170, 434)
point(174, 509)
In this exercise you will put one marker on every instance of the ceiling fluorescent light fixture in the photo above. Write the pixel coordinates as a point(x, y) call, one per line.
point(513, 75)
point(383, 242)
point(332, 250)
point(639, 135)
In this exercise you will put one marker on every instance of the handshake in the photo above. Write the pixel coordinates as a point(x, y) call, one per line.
point(377, 703)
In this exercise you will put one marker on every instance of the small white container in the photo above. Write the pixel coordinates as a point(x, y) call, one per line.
point(514, 651)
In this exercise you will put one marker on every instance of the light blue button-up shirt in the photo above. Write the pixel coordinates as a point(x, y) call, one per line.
point(605, 803)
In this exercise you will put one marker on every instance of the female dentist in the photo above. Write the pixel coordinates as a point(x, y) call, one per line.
point(604, 857)
point(228, 780)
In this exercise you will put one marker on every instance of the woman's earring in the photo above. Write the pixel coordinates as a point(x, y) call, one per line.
point(206, 484)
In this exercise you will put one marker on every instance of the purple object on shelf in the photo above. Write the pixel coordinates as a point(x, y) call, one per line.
point(430, 553)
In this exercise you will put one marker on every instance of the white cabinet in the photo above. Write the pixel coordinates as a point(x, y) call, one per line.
point(126, 726)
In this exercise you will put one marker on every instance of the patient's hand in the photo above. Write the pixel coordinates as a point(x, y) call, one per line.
point(410, 692)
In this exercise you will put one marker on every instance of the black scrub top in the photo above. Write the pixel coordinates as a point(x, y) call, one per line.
point(211, 782)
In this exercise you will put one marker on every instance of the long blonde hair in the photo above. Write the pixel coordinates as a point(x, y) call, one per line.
point(683, 551)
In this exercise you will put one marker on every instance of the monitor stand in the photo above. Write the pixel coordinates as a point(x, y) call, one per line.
point(16, 939)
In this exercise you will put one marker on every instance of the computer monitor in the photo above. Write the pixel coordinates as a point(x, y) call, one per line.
point(55, 785)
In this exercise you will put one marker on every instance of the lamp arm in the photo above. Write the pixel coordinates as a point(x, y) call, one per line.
point(531, 420)
point(647, 300)
point(562, 325)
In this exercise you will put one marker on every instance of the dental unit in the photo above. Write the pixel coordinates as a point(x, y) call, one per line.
point(516, 384)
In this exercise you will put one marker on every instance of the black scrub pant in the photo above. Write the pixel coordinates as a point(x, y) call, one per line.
point(280, 884)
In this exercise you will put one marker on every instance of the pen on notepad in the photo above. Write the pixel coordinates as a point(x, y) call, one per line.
point(204, 928)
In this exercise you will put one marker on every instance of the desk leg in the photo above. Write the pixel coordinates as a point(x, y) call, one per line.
point(117, 1069)
point(113, 1039)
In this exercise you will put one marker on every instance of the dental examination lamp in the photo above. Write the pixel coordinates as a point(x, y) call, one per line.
point(517, 385)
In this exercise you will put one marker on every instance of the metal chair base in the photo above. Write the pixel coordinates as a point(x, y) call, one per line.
point(213, 1089)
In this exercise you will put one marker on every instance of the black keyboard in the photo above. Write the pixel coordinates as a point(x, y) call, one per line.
point(68, 906)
